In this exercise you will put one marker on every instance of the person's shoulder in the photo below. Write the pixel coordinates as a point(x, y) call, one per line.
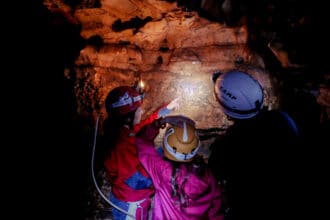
point(278, 126)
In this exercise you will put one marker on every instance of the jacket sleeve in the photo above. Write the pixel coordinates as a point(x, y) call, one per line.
point(215, 210)
point(148, 155)
point(150, 119)
point(111, 167)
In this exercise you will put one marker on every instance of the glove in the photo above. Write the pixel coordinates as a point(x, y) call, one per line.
point(168, 108)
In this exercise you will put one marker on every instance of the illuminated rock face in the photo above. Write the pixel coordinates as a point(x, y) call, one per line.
point(174, 51)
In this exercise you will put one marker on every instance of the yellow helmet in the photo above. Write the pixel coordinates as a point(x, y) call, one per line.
point(181, 143)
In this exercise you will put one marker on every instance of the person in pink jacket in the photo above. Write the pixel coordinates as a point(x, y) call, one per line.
point(185, 189)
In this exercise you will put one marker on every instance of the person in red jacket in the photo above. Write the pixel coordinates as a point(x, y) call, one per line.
point(131, 186)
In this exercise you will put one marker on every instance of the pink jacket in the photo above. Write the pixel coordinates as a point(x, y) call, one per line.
point(204, 195)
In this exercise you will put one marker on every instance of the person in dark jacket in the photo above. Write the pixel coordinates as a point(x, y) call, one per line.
point(256, 158)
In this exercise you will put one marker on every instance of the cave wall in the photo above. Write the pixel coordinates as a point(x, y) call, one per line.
point(172, 49)
point(112, 55)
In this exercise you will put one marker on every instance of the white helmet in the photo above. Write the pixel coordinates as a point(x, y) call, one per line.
point(239, 94)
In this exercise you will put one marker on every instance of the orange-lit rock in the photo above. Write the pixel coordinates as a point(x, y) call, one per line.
point(175, 51)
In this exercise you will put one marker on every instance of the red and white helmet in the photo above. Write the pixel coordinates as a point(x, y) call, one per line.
point(122, 100)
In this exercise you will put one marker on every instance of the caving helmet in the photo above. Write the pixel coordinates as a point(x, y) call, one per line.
point(181, 143)
point(122, 100)
point(239, 94)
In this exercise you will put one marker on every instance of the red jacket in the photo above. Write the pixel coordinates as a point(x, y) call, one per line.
point(130, 181)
